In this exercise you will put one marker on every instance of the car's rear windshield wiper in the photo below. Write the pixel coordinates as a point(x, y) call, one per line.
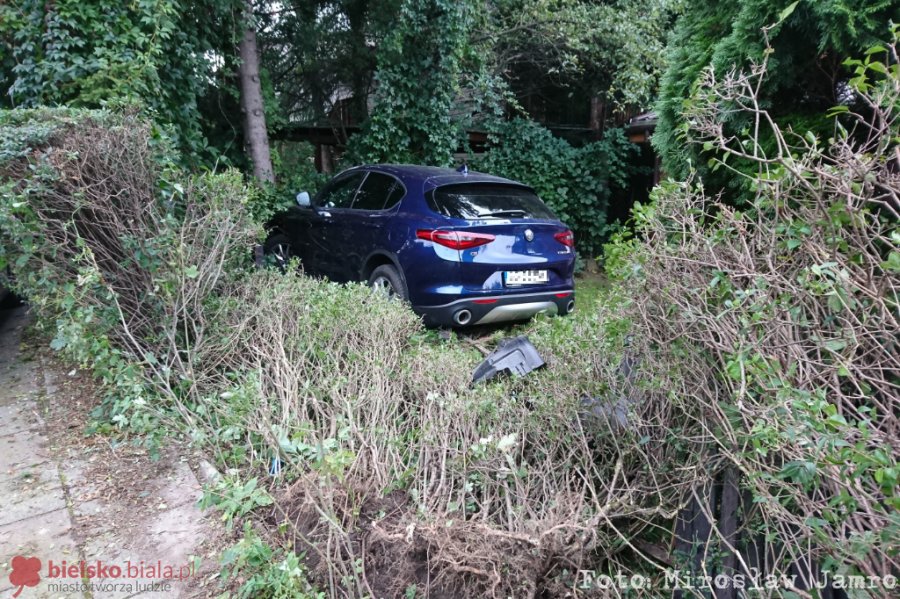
point(504, 213)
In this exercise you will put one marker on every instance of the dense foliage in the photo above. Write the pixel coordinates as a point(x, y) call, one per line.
point(419, 70)
point(322, 52)
point(324, 55)
point(774, 326)
point(806, 44)
point(154, 54)
point(416, 75)
point(577, 183)
point(612, 51)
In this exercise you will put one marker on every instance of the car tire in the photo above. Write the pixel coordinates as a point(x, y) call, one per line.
point(277, 251)
point(387, 279)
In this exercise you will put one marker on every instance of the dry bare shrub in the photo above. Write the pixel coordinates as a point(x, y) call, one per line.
point(92, 187)
point(399, 472)
point(117, 248)
point(776, 325)
point(402, 474)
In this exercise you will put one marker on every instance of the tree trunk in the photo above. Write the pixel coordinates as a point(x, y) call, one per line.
point(598, 115)
point(255, 136)
point(362, 59)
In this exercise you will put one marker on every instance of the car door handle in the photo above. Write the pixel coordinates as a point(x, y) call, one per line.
point(324, 214)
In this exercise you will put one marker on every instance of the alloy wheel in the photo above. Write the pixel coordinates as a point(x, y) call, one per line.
point(383, 286)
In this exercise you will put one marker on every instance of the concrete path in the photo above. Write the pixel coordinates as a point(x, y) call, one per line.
point(67, 498)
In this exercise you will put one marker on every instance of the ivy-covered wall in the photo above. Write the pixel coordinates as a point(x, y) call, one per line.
point(419, 68)
point(154, 54)
point(576, 182)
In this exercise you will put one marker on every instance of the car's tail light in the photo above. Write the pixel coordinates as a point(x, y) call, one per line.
point(456, 240)
point(566, 238)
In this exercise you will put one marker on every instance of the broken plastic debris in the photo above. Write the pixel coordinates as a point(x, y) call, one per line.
point(613, 411)
point(516, 356)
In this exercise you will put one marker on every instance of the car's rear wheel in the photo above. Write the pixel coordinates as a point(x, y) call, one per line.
point(387, 280)
point(278, 252)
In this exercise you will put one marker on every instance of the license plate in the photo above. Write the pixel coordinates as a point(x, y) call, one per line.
point(525, 277)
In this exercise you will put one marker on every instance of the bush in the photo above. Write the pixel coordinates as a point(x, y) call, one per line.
point(385, 454)
point(577, 183)
point(774, 328)
point(806, 42)
point(116, 249)
point(264, 572)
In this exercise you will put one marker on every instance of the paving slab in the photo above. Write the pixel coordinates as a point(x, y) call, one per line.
point(68, 498)
point(35, 491)
point(18, 417)
point(45, 536)
point(23, 452)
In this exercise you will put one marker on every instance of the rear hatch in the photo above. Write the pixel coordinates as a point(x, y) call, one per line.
point(530, 249)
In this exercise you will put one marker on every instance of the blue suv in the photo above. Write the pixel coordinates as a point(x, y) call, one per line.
point(463, 248)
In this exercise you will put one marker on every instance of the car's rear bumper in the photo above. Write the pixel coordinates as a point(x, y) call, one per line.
point(498, 308)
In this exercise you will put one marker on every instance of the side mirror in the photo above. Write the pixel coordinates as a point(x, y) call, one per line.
point(303, 199)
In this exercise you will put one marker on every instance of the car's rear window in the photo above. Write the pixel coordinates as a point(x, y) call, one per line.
point(474, 201)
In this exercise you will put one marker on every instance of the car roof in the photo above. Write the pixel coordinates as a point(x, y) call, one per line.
point(432, 176)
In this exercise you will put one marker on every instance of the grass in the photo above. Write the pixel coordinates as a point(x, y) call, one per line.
point(589, 288)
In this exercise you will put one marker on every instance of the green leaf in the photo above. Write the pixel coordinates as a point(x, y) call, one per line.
point(814, 522)
point(191, 272)
point(892, 264)
point(834, 303)
point(835, 345)
point(788, 11)
point(837, 420)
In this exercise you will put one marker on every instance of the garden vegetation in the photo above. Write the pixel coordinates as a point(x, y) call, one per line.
point(757, 346)
point(741, 366)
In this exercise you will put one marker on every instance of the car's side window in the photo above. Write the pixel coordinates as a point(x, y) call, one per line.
point(340, 193)
point(395, 195)
point(378, 192)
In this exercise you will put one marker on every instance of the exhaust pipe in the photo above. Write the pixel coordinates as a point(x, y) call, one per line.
point(570, 307)
point(462, 318)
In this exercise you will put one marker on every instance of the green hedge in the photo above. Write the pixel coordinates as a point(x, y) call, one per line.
point(577, 183)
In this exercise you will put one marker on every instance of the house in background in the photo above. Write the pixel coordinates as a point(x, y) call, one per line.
point(574, 117)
